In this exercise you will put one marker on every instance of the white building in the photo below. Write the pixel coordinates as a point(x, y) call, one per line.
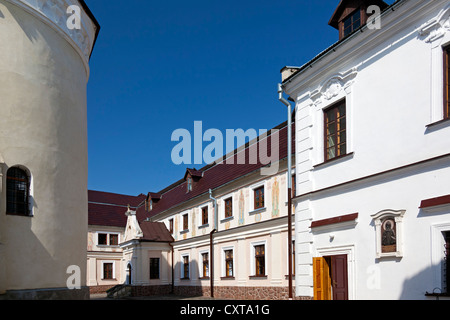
point(45, 48)
point(372, 122)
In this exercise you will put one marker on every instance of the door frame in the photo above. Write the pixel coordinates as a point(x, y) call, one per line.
point(348, 250)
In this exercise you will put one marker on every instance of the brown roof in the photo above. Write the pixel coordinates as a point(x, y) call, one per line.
point(108, 209)
point(214, 176)
point(155, 232)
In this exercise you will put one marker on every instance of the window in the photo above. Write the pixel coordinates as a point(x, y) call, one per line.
point(189, 184)
point(204, 215)
point(228, 263)
point(18, 192)
point(113, 239)
point(352, 22)
point(102, 239)
point(108, 271)
point(185, 222)
point(154, 268)
point(228, 207)
point(205, 265)
point(185, 267)
point(447, 82)
point(259, 198)
point(260, 265)
point(171, 226)
point(335, 131)
point(105, 239)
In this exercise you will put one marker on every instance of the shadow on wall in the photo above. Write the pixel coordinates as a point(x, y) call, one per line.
point(192, 279)
point(420, 286)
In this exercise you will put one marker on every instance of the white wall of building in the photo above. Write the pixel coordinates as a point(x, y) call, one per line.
point(392, 82)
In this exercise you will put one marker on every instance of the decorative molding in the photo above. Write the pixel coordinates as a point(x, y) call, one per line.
point(436, 28)
point(378, 218)
point(333, 86)
point(54, 13)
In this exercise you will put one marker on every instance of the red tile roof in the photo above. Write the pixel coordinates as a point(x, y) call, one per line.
point(108, 209)
point(214, 176)
point(155, 232)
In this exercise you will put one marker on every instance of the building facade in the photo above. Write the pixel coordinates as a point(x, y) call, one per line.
point(44, 70)
point(372, 217)
point(220, 231)
point(107, 224)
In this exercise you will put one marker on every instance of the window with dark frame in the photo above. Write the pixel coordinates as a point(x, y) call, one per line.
point(108, 271)
point(335, 131)
point(352, 22)
point(260, 261)
point(447, 82)
point(102, 239)
point(228, 207)
point(205, 265)
point(186, 267)
point(17, 192)
point(113, 239)
point(154, 268)
point(171, 226)
point(204, 215)
point(228, 263)
point(259, 197)
point(185, 222)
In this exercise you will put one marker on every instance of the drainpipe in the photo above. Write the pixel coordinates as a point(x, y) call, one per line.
point(211, 247)
point(289, 178)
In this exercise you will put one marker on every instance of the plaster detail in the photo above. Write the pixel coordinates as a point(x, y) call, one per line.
point(56, 14)
point(436, 28)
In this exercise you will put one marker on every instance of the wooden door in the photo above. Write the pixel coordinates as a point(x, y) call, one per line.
point(322, 279)
point(330, 278)
point(339, 277)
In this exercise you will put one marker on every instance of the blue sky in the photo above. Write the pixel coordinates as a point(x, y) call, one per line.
point(159, 66)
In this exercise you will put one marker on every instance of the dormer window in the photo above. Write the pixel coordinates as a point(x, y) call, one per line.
point(189, 184)
point(352, 14)
point(192, 176)
point(152, 198)
point(352, 22)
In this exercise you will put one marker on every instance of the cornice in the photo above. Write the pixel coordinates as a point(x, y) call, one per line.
point(399, 21)
point(56, 13)
point(437, 27)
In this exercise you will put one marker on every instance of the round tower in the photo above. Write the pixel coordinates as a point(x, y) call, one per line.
point(45, 46)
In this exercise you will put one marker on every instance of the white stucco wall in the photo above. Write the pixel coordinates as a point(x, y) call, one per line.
point(392, 82)
point(43, 127)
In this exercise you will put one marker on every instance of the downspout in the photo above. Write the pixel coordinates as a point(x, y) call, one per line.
point(289, 178)
point(211, 247)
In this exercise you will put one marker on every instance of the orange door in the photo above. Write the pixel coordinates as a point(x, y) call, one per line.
point(322, 279)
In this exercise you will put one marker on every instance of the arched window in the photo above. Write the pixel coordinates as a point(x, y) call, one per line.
point(17, 192)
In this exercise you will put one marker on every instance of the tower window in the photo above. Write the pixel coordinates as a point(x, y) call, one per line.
point(18, 192)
